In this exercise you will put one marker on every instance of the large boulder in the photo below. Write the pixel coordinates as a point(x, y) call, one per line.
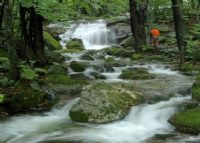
point(75, 44)
point(104, 102)
point(50, 42)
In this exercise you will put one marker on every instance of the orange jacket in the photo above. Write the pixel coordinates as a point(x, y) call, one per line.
point(155, 32)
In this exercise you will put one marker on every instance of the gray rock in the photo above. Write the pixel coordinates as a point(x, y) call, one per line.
point(103, 102)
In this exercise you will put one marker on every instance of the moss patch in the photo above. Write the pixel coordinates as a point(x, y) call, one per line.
point(63, 79)
point(136, 74)
point(75, 44)
point(118, 52)
point(187, 121)
point(78, 66)
point(51, 42)
point(196, 89)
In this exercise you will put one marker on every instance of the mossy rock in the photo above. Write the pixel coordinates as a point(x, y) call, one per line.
point(79, 76)
point(97, 75)
point(136, 74)
point(118, 52)
point(4, 64)
point(128, 42)
point(196, 89)
point(63, 51)
point(53, 56)
point(50, 42)
point(88, 56)
point(191, 69)
point(137, 56)
point(104, 102)
point(187, 121)
point(77, 66)
point(57, 69)
point(64, 80)
point(75, 44)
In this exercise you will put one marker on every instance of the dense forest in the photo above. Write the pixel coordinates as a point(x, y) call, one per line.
point(99, 71)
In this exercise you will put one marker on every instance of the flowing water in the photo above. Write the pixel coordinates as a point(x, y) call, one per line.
point(143, 123)
point(95, 35)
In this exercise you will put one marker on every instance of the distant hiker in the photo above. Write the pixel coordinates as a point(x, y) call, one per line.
point(155, 33)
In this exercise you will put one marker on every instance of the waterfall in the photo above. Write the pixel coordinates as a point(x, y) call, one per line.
point(95, 35)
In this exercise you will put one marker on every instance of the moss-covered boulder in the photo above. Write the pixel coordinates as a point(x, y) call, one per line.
point(77, 66)
point(50, 42)
point(136, 74)
point(75, 44)
point(79, 76)
point(103, 102)
point(187, 121)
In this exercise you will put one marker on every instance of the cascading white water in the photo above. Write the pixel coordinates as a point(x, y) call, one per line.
point(95, 35)
point(143, 122)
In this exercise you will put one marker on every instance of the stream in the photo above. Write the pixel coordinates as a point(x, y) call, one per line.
point(145, 123)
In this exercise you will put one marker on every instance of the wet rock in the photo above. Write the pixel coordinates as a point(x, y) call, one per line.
point(75, 44)
point(187, 121)
point(136, 74)
point(103, 102)
point(97, 75)
point(55, 31)
point(88, 56)
point(77, 66)
point(50, 42)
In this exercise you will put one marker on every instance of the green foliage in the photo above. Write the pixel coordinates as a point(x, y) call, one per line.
point(4, 81)
point(4, 64)
point(2, 97)
point(29, 72)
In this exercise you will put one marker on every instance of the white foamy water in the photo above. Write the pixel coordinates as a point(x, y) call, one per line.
point(95, 35)
point(143, 122)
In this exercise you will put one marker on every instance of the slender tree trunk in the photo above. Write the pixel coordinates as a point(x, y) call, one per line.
point(178, 22)
point(8, 27)
point(1, 12)
point(137, 21)
point(38, 39)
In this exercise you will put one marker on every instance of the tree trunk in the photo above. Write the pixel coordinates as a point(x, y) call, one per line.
point(38, 38)
point(178, 22)
point(1, 12)
point(137, 21)
point(8, 26)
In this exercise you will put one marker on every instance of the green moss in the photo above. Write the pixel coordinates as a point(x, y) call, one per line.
point(137, 56)
point(136, 74)
point(187, 121)
point(3, 53)
point(51, 42)
point(79, 115)
point(196, 89)
point(118, 52)
point(78, 66)
point(63, 79)
point(75, 44)
point(62, 51)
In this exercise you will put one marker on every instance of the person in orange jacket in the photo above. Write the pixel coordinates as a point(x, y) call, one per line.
point(155, 33)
